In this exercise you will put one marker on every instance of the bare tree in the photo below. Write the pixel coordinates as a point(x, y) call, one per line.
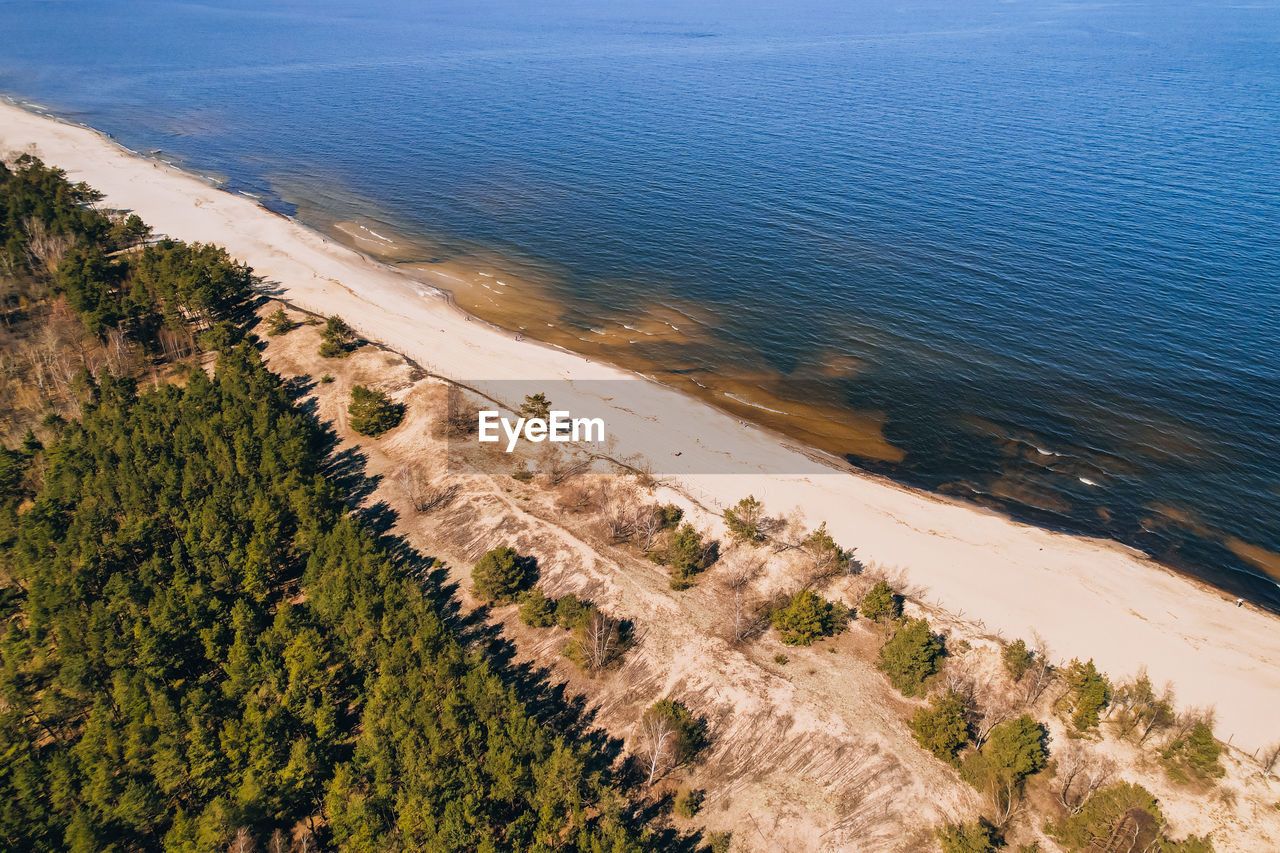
point(1139, 710)
point(615, 507)
point(577, 497)
point(988, 710)
point(598, 641)
point(657, 743)
point(278, 842)
point(1039, 675)
point(1270, 755)
point(305, 840)
point(743, 603)
point(45, 248)
point(1081, 774)
point(1187, 720)
point(243, 842)
point(461, 415)
point(648, 525)
point(1005, 797)
point(422, 493)
point(558, 467)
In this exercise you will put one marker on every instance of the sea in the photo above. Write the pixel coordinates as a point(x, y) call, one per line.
point(1022, 253)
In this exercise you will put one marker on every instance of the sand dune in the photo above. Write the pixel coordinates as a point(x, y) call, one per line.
point(1087, 598)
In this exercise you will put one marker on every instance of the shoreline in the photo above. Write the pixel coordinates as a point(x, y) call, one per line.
point(736, 382)
point(1082, 593)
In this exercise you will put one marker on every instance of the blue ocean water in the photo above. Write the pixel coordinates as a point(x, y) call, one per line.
point(1037, 238)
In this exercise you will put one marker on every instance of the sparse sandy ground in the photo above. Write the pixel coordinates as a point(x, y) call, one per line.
point(807, 756)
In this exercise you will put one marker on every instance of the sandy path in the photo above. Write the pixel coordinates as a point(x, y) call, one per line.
point(1087, 598)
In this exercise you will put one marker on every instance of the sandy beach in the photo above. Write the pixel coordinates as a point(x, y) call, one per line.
point(1085, 597)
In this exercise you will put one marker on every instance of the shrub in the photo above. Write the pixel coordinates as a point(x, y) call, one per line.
point(326, 379)
point(599, 640)
point(523, 475)
point(1088, 691)
point(808, 616)
point(670, 515)
point(372, 412)
point(1101, 812)
point(689, 732)
point(976, 837)
point(1195, 754)
point(911, 656)
point(500, 574)
point(828, 558)
point(780, 659)
point(571, 612)
point(279, 323)
point(744, 518)
point(338, 339)
point(1016, 749)
point(535, 406)
point(536, 609)
point(1017, 659)
point(686, 555)
point(719, 842)
point(881, 602)
point(688, 802)
point(941, 728)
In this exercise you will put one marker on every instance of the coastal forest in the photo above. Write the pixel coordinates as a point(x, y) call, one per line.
point(202, 648)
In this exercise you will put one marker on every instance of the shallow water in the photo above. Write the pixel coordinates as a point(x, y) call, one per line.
point(1020, 252)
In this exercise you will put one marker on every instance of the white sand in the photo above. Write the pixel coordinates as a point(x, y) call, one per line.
point(1087, 598)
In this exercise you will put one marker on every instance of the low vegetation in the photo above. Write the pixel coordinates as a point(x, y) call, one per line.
point(911, 656)
point(808, 616)
point(338, 340)
point(278, 323)
point(669, 736)
point(688, 802)
point(881, 603)
point(501, 574)
point(942, 728)
point(372, 412)
point(685, 554)
point(976, 837)
point(599, 641)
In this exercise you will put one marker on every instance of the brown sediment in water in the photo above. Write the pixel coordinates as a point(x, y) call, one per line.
point(670, 340)
point(1256, 555)
point(1167, 515)
point(1010, 488)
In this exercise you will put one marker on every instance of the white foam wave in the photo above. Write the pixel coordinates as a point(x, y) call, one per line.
point(753, 405)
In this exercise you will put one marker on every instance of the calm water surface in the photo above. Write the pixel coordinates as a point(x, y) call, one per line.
point(1035, 241)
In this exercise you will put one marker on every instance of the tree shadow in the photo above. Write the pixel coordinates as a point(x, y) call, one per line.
point(345, 470)
point(547, 701)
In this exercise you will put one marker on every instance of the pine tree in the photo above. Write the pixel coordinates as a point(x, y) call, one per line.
point(911, 656)
point(499, 575)
point(941, 728)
